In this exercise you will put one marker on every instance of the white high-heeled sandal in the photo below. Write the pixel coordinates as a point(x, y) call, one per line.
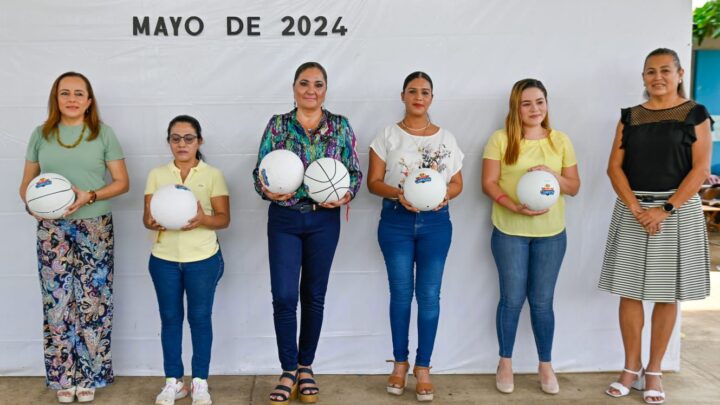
point(653, 393)
point(66, 395)
point(638, 384)
point(85, 394)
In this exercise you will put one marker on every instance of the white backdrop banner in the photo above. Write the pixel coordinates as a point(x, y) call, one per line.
point(231, 64)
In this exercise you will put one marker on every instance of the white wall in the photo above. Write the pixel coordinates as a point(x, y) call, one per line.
point(589, 55)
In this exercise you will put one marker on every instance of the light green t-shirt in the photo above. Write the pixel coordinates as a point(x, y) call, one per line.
point(84, 165)
point(532, 153)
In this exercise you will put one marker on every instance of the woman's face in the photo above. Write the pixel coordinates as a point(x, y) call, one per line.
point(660, 76)
point(184, 142)
point(309, 89)
point(417, 97)
point(73, 98)
point(533, 107)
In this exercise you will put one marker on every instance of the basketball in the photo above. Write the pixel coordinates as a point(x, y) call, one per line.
point(538, 190)
point(49, 195)
point(327, 180)
point(281, 171)
point(425, 189)
point(173, 206)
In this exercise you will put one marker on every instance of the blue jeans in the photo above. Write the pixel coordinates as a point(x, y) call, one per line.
point(527, 267)
point(300, 240)
point(415, 247)
point(198, 280)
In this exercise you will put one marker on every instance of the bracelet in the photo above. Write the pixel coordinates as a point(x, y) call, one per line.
point(93, 197)
point(500, 197)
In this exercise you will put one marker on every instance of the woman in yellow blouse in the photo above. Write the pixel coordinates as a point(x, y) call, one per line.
point(528, 246)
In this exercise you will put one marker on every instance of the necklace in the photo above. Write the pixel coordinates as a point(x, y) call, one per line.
point(306, 125)
point(74, 144)
point(415, 129)
point(418, 143)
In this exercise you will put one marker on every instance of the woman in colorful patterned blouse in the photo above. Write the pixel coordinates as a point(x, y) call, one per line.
point(414, 244)
point(75, 253)
point(657, 248)
point(302, 234)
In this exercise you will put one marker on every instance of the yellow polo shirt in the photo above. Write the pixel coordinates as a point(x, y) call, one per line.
point(532, 153)
point(196, 244)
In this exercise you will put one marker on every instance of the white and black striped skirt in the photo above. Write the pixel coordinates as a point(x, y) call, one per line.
point(673, 265)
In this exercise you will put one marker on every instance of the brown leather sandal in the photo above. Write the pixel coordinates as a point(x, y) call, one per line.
point(423, 391)
point(396, 384)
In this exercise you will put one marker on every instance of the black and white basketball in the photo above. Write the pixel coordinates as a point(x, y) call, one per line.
point(327, 180)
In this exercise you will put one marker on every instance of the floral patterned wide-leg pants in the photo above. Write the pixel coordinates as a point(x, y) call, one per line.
point(75, 260)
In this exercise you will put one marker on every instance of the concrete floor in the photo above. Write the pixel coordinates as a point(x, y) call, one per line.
point(697, 383)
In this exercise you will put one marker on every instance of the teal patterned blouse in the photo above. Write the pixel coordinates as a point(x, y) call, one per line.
point(333, 138)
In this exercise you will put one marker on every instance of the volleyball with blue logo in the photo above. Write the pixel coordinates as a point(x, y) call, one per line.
point(538, 190)
point(173, 206)
point(425, 189)
point(327, 180)
point(49, 195)
point(281, 171)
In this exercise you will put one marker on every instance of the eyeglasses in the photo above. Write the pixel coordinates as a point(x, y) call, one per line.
point(187, 138)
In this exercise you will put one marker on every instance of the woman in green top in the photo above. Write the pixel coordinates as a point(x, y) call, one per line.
point(75, 253)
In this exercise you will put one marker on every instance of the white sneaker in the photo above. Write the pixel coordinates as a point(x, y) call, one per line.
point(173, 390)
point(200, 394)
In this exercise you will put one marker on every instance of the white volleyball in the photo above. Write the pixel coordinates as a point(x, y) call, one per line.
point(538, 190)
point(49, 195)
point(173, 206)
point(327, 180)
point(425, 189)
point(281, 171)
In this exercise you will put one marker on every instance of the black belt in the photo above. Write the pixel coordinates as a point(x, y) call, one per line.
point(652, 198)
point(305, 206)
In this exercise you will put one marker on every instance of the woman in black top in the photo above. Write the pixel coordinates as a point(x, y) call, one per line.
point(657, 248)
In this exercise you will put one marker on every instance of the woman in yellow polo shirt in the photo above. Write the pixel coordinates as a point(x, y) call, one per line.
point(528, 246)
point(187, 261)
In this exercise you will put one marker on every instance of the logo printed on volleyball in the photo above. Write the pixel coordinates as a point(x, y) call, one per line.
point(181, 187)
point(422, 178)
point(43, 182)
point(547, 190)
point(265, 180)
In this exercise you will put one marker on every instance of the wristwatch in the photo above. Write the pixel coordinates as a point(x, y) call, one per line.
point(668, 207)
point(93, 197)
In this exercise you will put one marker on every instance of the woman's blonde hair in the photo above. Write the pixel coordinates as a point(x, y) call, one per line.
point(513, 122)
point(92, 117)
